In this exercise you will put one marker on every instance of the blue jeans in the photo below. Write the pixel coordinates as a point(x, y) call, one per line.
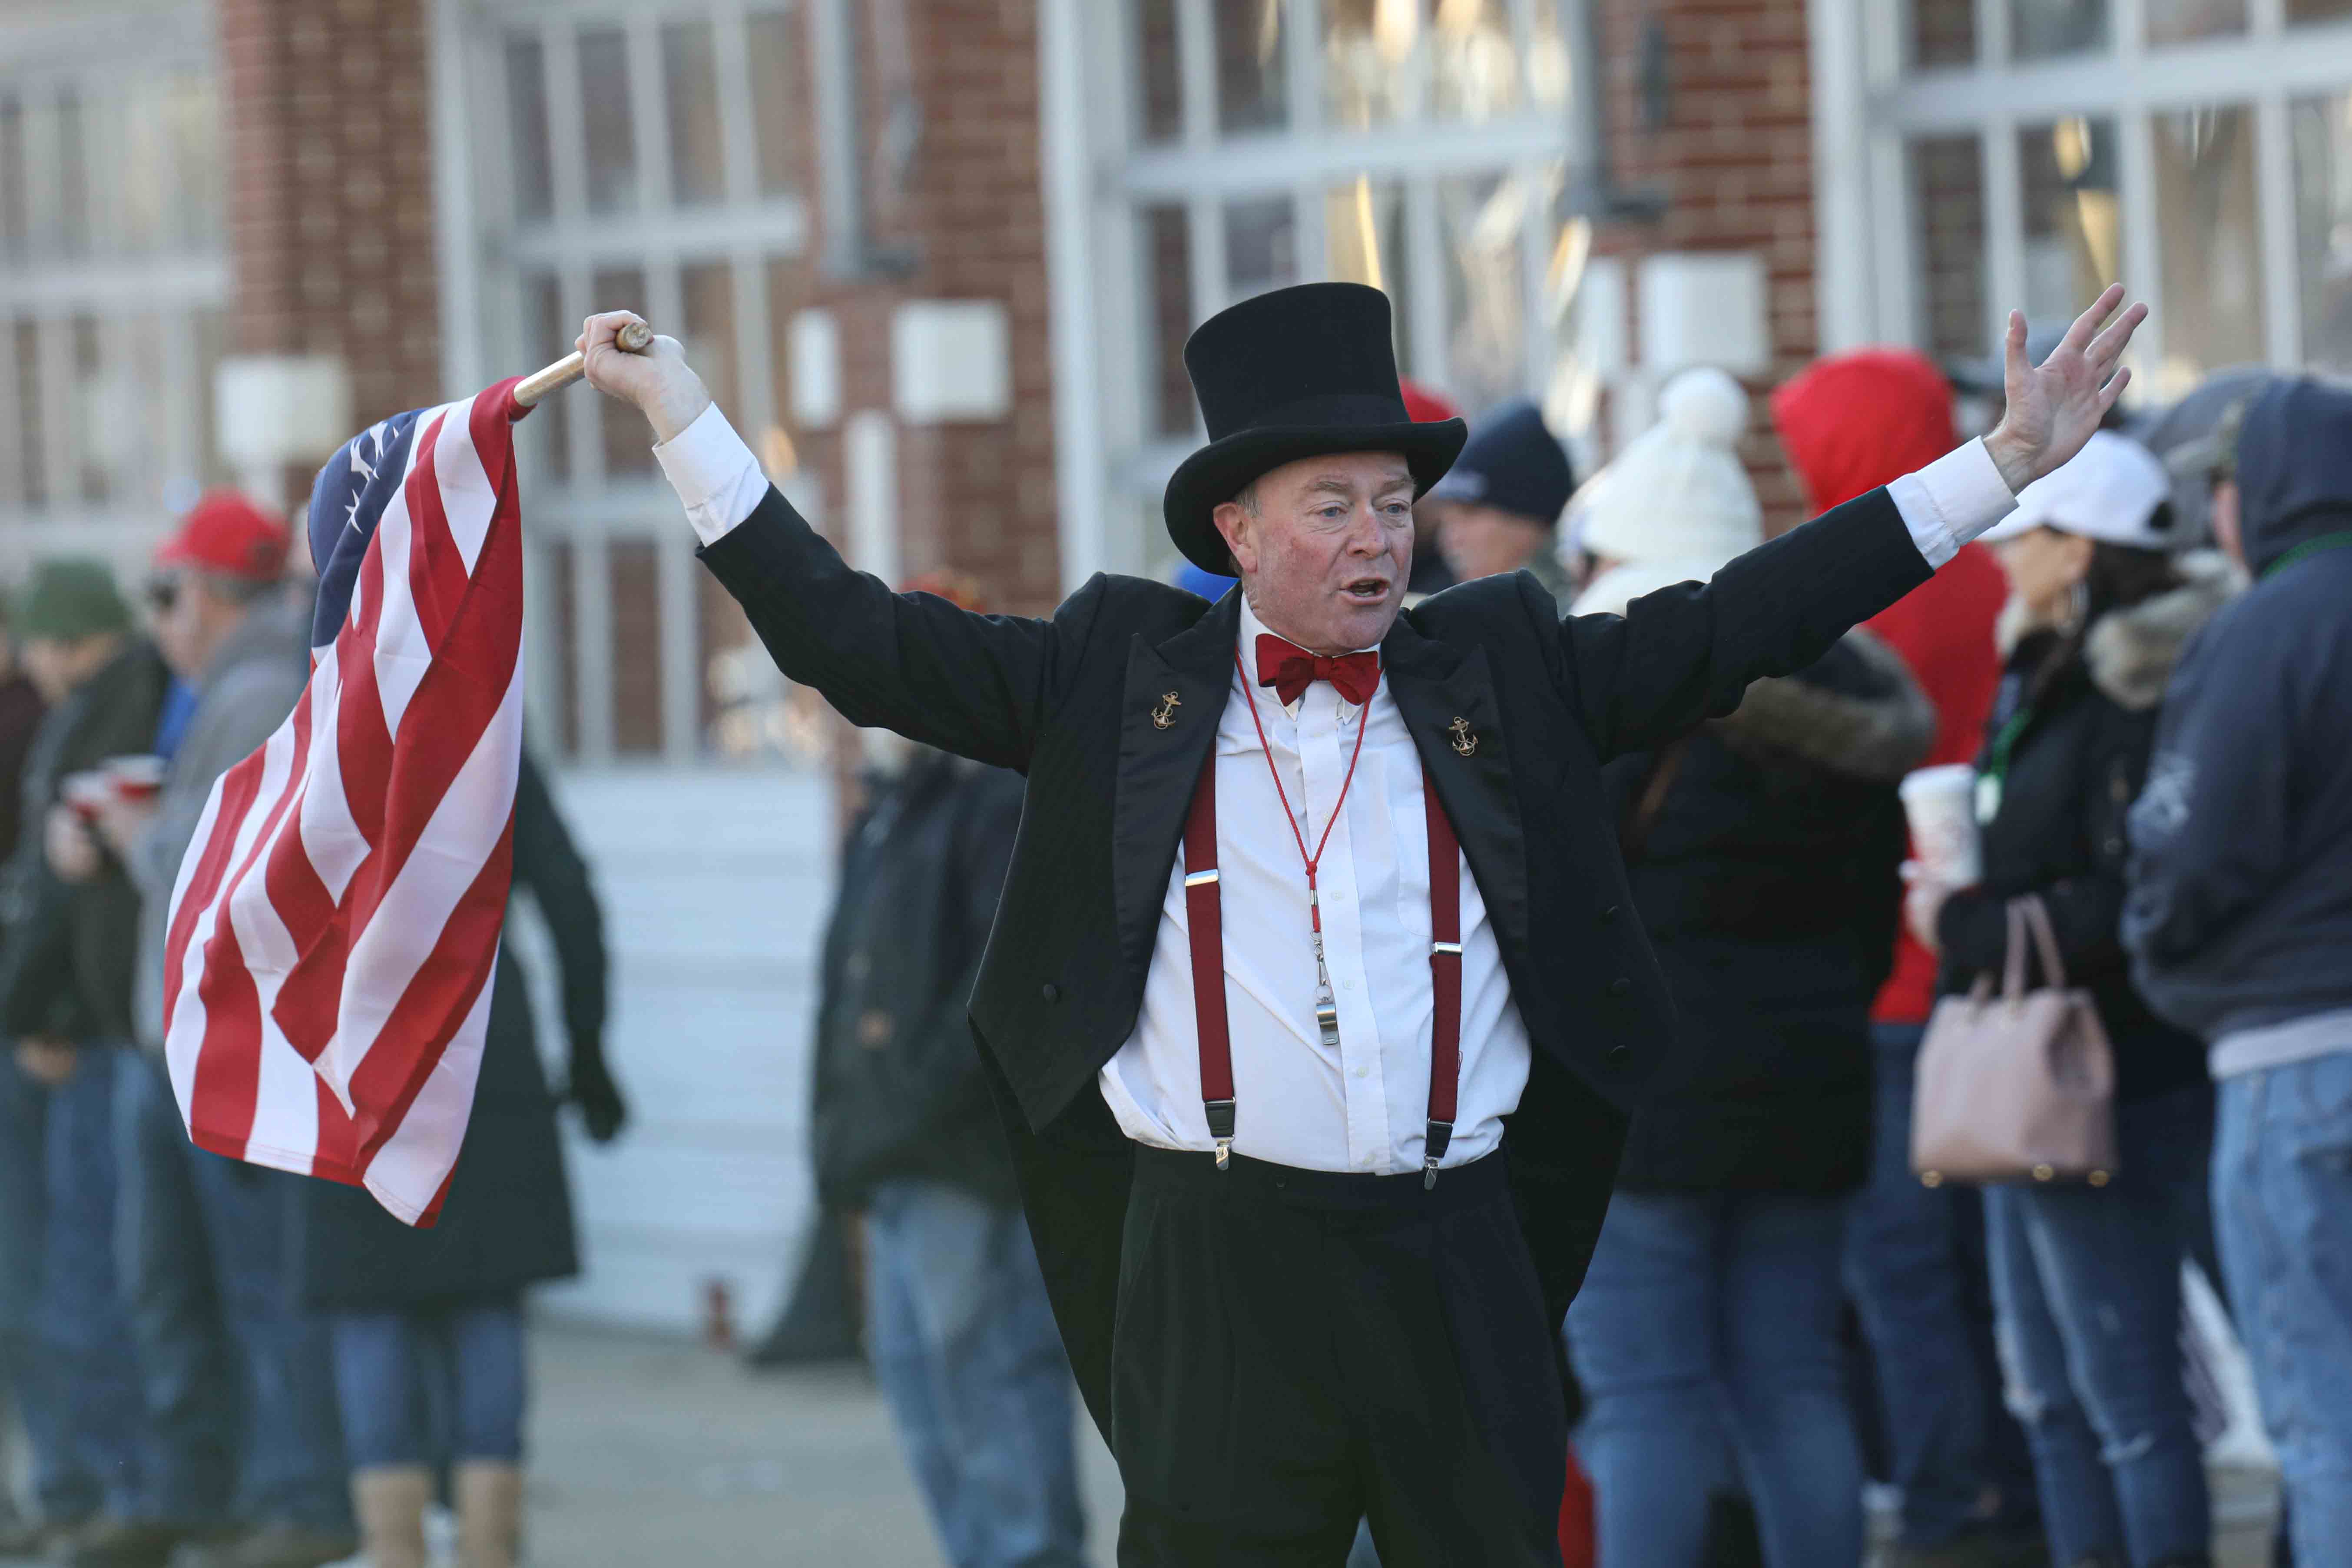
point(2087, 1283)
point(963, 1343)
point(64, 1350)
point(236, 1378)
point(1706, 1313)
point(461, 1361)
point(1915, 1265)
point(2283, 1195)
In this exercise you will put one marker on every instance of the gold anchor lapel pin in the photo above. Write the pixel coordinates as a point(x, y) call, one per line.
point(1164, 716)
point(1465, 739)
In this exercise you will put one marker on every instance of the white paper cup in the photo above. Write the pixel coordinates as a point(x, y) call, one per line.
point(1941, 805)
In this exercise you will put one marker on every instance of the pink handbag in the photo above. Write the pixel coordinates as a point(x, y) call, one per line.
point(2018, 1087)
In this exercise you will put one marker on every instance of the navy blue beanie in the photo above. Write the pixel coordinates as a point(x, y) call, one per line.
point(1511, 463)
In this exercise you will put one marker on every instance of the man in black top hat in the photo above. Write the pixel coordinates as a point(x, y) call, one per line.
point(1312, 1006)
point(1497, 509)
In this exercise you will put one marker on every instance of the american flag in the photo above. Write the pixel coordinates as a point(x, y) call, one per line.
point(335, 925)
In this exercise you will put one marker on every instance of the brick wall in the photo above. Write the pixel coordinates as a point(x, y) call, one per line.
point(330, 190)
point(975, 498)
point(1734, 160)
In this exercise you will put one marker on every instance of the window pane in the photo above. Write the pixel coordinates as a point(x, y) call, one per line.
point(1948, 207)
point(786, 294)
point(2317, 10)
point(1943, 33)
point(627, 449)
point(775, 97)
point(14, 224)
point(1486, 303)
point(2209, 244)
point(1261, 246)
point(2323, 205)
point(1369, 70)
point(2073, 224)
point(635, 579)
point(2043, 27)
point(2183, 21)
point(697, 159)
point(1364, 222)
point(1253, 82)
point(31, 437)
point(1168, 286)
point(198, 195)
point(1161, 101)
point(526, 127)
point(1474, 62)
point(604, 113)
point(559, 590)
point(549, 425)
point(73, 178)
point(144, 168)
point(1551, 74)
point(89, 410)
point(709, 331)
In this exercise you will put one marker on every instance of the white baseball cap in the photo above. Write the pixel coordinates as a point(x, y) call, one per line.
point(2111, 490)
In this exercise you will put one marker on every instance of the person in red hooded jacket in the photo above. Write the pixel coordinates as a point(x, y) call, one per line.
point(1915, 1255)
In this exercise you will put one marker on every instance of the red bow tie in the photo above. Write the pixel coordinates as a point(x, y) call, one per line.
point(1291, 669)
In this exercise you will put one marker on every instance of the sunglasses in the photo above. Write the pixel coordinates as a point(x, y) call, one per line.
point(163, 594)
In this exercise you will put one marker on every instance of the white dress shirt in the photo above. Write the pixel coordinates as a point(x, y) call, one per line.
point(1366, 1107)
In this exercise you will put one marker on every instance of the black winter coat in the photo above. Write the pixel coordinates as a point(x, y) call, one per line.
point(1513, 712)
point(2074, 770)
point(1769, 880)
point(899, 1091)
point(66, 964)
point(506, 1221)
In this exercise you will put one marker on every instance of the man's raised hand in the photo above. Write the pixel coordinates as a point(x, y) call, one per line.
point(2053, 407)
point(659, 381)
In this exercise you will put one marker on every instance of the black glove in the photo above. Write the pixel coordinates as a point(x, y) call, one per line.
point(592, 1089)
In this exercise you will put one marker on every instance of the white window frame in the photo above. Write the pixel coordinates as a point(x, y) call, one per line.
point(1870, 272)
point(44, 53)
point(1099, 178)
point(487, 254)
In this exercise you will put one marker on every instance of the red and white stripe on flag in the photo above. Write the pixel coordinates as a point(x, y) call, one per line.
point(335, 925)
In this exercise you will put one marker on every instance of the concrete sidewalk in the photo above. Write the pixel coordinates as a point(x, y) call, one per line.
point(650, 1452)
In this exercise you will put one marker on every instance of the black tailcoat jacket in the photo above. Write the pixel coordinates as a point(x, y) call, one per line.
point(1069, 700)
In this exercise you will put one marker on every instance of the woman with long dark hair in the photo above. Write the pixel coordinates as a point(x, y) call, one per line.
point(2086, 1278)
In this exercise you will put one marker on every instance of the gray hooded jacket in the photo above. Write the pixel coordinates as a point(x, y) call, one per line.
point(2238, 918)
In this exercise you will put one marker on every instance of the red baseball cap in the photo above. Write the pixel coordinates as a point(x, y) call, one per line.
point(225, 533)
point(1424, 403)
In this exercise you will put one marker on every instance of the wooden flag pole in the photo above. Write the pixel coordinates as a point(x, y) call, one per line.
point(636, 338)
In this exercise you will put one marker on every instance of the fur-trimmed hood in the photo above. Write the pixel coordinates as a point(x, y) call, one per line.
point(2131, 653)
point(1876, 726)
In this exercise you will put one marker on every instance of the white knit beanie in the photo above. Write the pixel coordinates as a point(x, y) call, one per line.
point(1679, 491)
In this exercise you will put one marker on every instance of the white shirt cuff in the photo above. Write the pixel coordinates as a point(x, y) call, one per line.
point(713, 473)
point(1949, 502)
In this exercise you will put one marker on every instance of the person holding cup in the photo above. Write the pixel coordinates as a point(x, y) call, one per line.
point(2085, 1279)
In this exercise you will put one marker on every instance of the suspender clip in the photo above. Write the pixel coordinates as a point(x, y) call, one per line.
point(1221, 1128)
point(1432, 1148)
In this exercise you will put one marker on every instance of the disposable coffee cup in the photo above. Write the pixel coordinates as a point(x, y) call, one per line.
point(135, 778)
point(86, 793)
point(1941, 805)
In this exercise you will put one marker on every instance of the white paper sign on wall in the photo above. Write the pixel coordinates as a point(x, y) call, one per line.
point(1705, 308)
point(952, 362)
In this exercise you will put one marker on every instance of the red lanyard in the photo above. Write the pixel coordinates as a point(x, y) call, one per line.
point(1204, 922)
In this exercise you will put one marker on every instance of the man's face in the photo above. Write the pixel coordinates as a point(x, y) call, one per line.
point(1480, 541)
point(174, 617)
point(1325, 552)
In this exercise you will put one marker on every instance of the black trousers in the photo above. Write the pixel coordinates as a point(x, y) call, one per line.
point(1295, 1350)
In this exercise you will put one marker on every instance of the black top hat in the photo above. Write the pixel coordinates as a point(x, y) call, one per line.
point(1294, 373)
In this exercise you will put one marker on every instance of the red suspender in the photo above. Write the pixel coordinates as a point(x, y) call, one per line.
point(1444, 979)
point(1204, 924)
